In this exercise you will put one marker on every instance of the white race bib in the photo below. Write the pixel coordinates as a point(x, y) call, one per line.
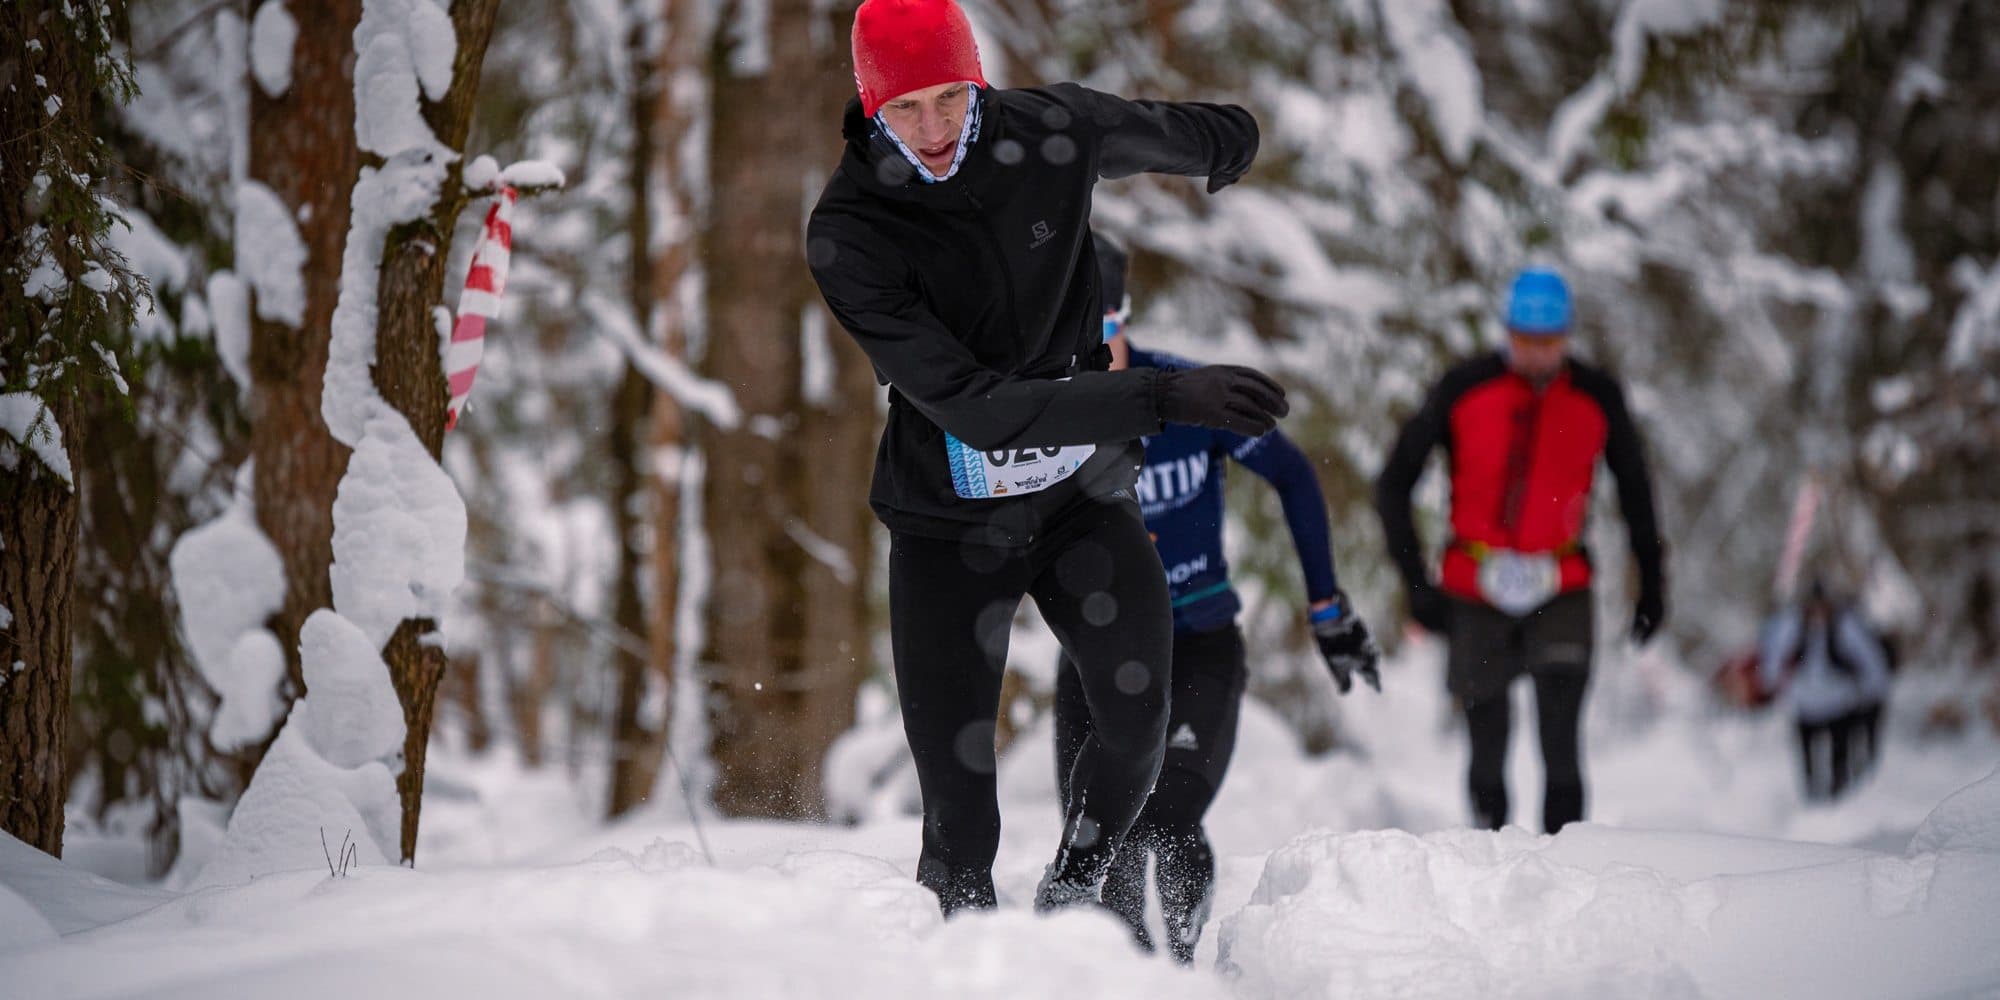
point(1517, 583)
point(1011, 472)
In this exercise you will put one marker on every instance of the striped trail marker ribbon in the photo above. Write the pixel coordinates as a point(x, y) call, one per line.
point(1797, 531)
point(480, 301)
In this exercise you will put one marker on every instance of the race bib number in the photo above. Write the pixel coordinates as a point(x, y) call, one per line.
point(1011, 472)
point(1517, 583)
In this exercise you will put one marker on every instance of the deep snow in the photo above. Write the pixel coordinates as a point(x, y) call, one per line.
point(1319, 894)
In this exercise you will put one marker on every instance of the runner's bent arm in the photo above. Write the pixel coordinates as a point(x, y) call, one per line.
point(874, 298)
point(1625, 454)
point(1781, 636)
point(1187, 138)
point(1282, 464)
point(1399, 477)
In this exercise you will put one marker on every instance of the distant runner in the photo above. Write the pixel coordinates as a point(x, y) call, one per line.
point(1522, 431)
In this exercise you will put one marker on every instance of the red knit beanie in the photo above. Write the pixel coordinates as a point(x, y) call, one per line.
point(905, 45)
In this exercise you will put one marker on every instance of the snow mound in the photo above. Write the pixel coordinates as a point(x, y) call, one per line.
point(253, 700)
point(229, 312)
point(403, 52)
point(532, 174)
point(229, 579)
point(273, 34)
point(294, 799)
point(270, 253)
point(815, 924)
point(60, 897)
point(399, 531)
point(1967, 821)
point(481, 172)
point(21, 925)
point(26, 420)
point(1599, 911)
point(1468, 913)
point(352, 715)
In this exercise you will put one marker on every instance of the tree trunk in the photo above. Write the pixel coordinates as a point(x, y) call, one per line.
point(38, 521)
point(416, 667)
point(635, 740)
point(833, 468)
point(409, 373)
point(466, 688)
point(49, 215)
point(634, 744)
point(784, 628)
point(302, 147)
point(128, 707)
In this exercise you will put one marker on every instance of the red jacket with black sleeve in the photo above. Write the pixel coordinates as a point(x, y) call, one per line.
point(1521, 461)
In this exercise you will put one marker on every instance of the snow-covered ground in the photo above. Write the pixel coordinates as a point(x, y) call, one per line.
point(1346, 875)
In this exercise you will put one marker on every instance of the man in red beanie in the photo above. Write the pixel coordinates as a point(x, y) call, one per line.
point(953, 243)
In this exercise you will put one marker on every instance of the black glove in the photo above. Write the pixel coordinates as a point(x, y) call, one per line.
point(1649, 613)
point(1345, 644)
point(1238, 165)
point(1228, 397)
point(1429, 607)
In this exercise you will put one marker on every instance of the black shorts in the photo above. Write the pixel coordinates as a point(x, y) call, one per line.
point(1490, 648)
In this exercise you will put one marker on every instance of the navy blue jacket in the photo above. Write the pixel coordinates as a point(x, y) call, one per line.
point(1180, 492)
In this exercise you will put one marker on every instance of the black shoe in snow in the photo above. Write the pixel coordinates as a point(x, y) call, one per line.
point(1063, 893)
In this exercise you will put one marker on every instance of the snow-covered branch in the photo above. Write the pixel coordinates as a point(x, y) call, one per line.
point(670, 374)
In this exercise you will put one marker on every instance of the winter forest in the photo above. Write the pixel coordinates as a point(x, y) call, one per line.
point(436, 557)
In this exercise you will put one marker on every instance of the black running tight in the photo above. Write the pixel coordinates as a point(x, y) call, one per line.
point(1558, 708)
point(1097, 581)
point(1209, 675)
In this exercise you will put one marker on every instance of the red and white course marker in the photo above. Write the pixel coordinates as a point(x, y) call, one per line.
point(480, 301)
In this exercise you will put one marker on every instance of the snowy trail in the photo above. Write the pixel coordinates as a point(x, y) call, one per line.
point(523, 896)
point(1595, 911)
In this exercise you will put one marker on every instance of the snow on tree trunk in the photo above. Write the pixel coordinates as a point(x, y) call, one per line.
point(398, 524)
point(409, 369)
point(302, 151)
point(228, 580)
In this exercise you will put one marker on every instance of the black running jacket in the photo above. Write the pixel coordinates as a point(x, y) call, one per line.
point(973, 296)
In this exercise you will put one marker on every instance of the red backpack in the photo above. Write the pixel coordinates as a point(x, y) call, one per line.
point(1741, 680)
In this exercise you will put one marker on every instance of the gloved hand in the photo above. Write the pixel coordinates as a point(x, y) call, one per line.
point(1429, 607)
point(1345, 644)
point(1238, 166)
point(1649, 614)
point(1228, 397)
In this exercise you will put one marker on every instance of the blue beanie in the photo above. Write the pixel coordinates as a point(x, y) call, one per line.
point(1539, 303)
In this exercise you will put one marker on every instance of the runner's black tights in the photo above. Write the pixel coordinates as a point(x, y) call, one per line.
point(1096, 579)
point(1209, 674)
point(1558, 709)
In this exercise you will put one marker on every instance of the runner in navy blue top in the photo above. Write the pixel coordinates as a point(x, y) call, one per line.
point(1180, 491)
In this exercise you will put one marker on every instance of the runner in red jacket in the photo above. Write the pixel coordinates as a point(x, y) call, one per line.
point(1523, 430)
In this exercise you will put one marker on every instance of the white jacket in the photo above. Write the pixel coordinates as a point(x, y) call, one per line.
point(1819, 691)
